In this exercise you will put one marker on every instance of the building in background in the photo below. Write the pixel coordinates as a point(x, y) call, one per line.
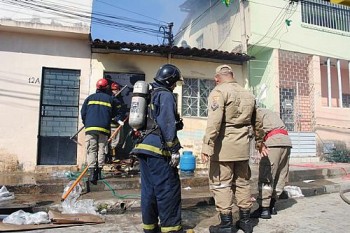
point(301, 61)
point(127, 63)
point(44, 77)
point(49, 65)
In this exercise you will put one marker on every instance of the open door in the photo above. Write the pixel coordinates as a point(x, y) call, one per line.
point(123, 79)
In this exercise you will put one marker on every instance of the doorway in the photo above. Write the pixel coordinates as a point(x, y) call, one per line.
point(128, 79)
point(59, 113)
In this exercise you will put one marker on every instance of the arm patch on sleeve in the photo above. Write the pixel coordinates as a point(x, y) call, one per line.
point(214, 103)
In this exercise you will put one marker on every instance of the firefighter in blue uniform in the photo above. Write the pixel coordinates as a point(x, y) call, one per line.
point(158, 153)
point(97, 113)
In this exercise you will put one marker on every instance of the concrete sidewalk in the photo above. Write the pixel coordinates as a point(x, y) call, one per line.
point(42, 190)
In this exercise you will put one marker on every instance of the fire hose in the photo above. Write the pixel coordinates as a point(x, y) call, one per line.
point(65, 195)
point(342, 195)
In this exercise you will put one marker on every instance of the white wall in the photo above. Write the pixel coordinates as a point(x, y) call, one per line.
point(207, 25)
point(56, 15)
point(22, 57)
point(268, 28)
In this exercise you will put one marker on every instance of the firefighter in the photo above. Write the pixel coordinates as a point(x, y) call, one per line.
point(158, 152)
point(118, 121)
point(97, 112)
point(231, 113)
point(274, 145)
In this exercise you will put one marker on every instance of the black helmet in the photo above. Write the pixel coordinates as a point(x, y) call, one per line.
point(168, 75)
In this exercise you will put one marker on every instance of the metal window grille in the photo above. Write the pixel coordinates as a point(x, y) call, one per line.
point(60, 102)
point(325, 14)
point(195, 94)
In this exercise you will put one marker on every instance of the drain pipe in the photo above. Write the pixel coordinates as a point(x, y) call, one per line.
point(339, 85)
point(329, 82)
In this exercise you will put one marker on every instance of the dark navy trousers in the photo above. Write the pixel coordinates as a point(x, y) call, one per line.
point(160, 193)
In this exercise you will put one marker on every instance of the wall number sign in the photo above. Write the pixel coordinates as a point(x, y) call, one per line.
point(33, 80)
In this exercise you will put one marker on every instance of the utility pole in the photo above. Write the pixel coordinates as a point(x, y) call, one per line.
point(168, 33)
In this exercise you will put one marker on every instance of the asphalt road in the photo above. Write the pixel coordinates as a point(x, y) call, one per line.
point(318, 214)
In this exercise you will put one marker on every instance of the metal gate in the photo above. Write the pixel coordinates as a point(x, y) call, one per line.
point(59, 112)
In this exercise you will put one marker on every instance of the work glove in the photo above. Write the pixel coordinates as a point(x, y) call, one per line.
point(120, 122)
point(175, 159)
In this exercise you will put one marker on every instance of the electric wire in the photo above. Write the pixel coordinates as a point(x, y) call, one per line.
point(99, 18)
point(130, 11)
point(278, 30)
point(271, 28)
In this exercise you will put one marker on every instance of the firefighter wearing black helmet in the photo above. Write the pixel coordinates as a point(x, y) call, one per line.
point(158, 153)
point(97, 113)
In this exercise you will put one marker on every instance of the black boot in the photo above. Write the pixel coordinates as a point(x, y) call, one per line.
point(261, 212)
point(245, 223)
point(225, 225)
point(99, 173)
point(273, 210)
point(93, 176)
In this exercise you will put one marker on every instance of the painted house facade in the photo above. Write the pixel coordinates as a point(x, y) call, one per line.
point(45, 59)
point(49, 65)
point(127, 63)
point(301, 61)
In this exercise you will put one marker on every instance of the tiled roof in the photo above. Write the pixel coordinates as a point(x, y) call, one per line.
point(97, 45)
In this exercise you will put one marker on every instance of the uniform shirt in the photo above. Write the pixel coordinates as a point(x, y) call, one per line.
point(97, 112)
point(231, 109)
point(120, 108)
point(163, 109)
point(266, 121)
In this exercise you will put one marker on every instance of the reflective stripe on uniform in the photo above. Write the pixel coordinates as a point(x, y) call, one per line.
point(100, 103)
point(97, 129)
point(152, 149)
point(171, 229)
point(149, 226)
point(171, 144)
point(221, 186)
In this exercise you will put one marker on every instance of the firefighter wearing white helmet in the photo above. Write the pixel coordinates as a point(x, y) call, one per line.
point(158, 153)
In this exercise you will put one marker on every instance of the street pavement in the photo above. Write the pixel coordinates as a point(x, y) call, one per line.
point(312, 213)
point(317, 214)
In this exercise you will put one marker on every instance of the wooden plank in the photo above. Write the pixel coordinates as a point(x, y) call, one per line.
point(304, 143)
point(308, 150)
point(12, 227)
point(305, 134)
point(304, 146)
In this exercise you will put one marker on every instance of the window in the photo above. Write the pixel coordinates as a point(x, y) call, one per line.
point(199, 41)
point(325, 14)
point(195, 94)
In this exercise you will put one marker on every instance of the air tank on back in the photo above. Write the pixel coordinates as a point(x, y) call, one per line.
point(138, 107)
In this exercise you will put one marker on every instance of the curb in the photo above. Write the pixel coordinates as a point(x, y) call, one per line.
point(296, 178)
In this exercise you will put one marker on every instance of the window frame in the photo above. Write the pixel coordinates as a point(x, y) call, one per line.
point(199, 95)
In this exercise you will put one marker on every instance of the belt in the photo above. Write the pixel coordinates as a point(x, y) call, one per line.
point(275, 131)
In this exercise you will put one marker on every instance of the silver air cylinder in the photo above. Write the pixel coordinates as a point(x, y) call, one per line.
point(138, 108)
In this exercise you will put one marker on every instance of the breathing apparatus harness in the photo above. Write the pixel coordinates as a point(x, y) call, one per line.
point(152, 126)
